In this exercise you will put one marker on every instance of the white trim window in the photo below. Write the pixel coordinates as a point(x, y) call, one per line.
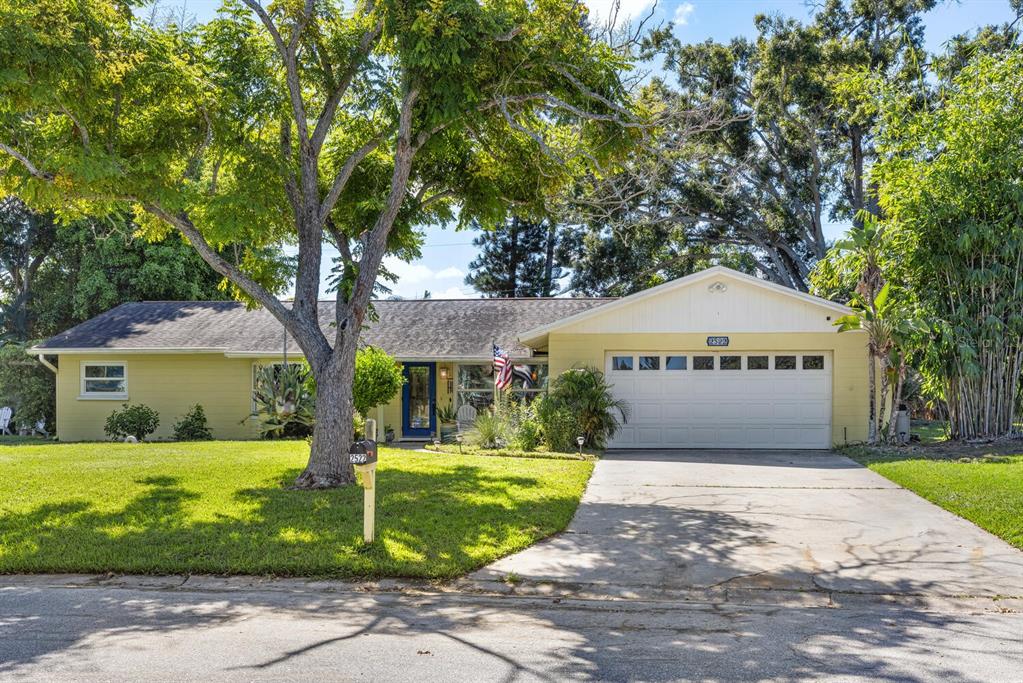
point(106, 379)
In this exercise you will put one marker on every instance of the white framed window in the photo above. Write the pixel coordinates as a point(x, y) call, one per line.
point(106, 379)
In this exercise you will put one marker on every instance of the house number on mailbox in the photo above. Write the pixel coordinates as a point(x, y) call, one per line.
point(717, 341)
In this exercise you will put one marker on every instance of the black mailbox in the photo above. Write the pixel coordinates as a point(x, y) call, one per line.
point(363, 452)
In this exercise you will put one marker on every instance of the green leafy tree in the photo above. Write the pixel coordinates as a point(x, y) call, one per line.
point(517, 258)
point(26, 386)
point(378, 379)
point(948, 181)
point(54, 276)
point(306, 123)
point(782, 148)
point(26, 240)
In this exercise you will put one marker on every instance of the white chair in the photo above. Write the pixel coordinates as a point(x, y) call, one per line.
point(5, 420)
point(465, 418)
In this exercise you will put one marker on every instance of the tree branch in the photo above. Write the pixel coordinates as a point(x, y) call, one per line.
point(343, 176)
point(376, 240)
point(291, 67)
point(185, 226)
point(327, 115)
point(24, 161)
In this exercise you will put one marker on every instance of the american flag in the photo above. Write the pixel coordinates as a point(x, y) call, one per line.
point(502, 368)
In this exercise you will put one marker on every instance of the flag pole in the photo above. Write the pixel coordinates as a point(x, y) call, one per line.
point(493, 370)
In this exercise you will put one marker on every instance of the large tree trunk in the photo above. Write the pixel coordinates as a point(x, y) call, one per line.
point(329, 463)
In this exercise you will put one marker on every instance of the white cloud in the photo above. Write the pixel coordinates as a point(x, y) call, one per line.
point(416, 278)
point(682, 12)
point(627, 9)
point(450, 272)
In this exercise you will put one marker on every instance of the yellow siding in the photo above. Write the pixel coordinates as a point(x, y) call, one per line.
point(170, 384)
point(173, 383)
point(849, 368)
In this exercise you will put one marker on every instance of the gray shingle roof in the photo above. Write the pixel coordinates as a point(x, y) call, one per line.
point(430, 328)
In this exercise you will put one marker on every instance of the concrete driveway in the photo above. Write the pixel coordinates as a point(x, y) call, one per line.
point(808, 526)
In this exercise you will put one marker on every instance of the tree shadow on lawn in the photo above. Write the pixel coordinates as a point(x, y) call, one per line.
point(274, 634)
point(436, 524)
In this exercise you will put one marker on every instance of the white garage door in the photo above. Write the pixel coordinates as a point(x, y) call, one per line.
point(699, 399)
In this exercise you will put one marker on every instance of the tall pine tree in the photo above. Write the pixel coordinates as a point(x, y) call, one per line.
point(519, 259)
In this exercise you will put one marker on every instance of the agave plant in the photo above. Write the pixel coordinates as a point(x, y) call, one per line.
point(285, 400)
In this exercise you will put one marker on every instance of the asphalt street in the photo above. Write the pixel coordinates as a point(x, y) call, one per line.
point(50, 631)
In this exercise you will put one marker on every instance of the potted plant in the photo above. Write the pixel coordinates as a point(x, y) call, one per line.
point(388, 433)
point(447, 421)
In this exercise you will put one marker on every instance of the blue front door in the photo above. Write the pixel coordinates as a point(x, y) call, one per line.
point(418, 398)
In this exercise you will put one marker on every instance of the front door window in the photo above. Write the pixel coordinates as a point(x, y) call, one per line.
point(420, 385)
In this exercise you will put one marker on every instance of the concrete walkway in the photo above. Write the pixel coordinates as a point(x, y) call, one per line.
point(805, 526)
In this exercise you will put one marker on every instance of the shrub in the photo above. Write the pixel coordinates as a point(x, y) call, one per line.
point(193, 426)
point(285, 400)
point(558, 425)
point(138, 420)
point(523, 426)
point(585, 394)
point(378, 379)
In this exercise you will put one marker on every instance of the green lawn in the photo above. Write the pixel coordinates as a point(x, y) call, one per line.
point(220, 508)
point(930, 431)
point(988, 491)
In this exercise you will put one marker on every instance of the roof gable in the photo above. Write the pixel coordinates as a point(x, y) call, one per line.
point(717, 299)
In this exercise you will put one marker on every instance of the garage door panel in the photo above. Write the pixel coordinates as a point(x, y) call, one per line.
point(724, 408)
point(676, 410)
point(646, 412)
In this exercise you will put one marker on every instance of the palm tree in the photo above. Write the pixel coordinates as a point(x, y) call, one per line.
point(588, 396)
point(865, 244)
point(890, 328)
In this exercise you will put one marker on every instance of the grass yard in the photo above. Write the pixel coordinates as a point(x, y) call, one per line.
point(930, 431)
point(220, 508)
point(987, 490)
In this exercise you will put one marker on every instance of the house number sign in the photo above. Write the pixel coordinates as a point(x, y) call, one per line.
point(717, 341)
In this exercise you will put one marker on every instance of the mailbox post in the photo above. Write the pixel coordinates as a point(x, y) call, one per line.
point(363, 455)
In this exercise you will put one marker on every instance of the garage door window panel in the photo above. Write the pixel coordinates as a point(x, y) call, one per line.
point(703, 362)
point(784, 362)
point(731, 362)
point(621, 363)
point(813, 362)
point(675, 363)
point(757, 363)
point(649, 362)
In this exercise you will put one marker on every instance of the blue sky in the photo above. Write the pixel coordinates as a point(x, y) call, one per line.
point(447, 253)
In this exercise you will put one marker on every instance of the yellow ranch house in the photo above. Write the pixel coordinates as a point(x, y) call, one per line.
point(718, 359)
